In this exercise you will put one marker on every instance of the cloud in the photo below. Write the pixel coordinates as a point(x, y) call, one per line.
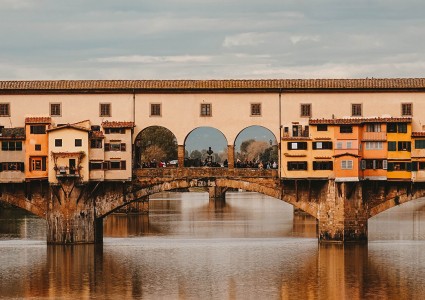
point(304, 38)
point(243, 39)
point(155, 59)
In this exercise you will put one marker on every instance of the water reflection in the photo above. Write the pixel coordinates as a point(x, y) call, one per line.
point(251, 246)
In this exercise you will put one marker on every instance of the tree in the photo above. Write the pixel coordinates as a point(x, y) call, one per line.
point(161, 137)
point(255, 150)
point(196, 154)
point(153, 152)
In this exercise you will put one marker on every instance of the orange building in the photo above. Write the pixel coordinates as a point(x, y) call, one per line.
point(399, 137)
point(36, 146)
point(418, 156)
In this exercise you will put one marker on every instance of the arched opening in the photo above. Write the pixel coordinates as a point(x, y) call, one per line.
point(256, 147)
point(205, 146)
point(155, 146)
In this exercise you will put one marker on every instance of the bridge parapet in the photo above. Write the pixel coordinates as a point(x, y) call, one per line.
point(205, 172)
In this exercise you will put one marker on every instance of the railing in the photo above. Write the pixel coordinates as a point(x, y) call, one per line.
point(374, 136)
point(205, 172)
point(65, 171)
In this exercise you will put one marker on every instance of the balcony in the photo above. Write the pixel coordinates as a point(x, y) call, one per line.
point(374, 136)
point(66, 171)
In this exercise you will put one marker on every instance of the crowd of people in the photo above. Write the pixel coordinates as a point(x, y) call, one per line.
point(209, 163)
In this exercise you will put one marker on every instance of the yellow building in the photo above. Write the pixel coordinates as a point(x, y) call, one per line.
point(399, 133)
point(418, 156)
point(322, 149)
point(36, 147)
point(69, 148)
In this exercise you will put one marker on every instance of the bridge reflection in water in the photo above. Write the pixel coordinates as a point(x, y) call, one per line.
point(188, 249)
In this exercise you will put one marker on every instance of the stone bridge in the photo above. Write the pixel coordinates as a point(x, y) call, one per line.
point(75, 212)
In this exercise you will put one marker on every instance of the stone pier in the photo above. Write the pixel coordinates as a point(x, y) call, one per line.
point(342, 215)
point(217, 193)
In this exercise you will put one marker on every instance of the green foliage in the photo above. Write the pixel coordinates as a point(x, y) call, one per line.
point(161, 137)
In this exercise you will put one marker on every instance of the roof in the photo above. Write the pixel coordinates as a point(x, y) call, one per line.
point(346, 154)
point(17, 133)
point(359, 121)
point(115, 124)
point(96, 135)
point(66, 126)
point(263, 84)
point(418, 134)
point(38, 120)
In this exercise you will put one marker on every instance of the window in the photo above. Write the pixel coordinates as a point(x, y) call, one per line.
point(96, 143)
point(255, 109)
point(373, 127)
point(322, 127)
point(55, 109)
point(349, 145)
point(397, 127)
point(78, 142)
point(205, 109)
point(38, 163)
point(155, 109)
point(322, 165)
point(402, 127)
point(297, 146)
point(419, 144)
point(38, 129)
point(117, 165)
point(115, 130)
point(399, 166)
point(392, 146)
point(115, 146)
point(322, 145)
point(421, 165)
point(37, 147)
point(345, 129)
point(95, 165)
point(374, 146)
point(356, 110)
point(373, 164)
point(105, 109)
point(11, 146)
point(4, 110)
point(58, 142)
point(12, 166)
point(297, 165)
point(305, 110)
point(346, 164)
point(404, 146)
point(339, 145)
point(406, 109)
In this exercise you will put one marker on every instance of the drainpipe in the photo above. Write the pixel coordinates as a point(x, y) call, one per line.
point(280, 134)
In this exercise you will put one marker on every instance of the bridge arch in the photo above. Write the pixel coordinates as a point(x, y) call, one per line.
point(256, 143)
point(24, 204)
point(202, 139)
point(395, 201)
point(154, 143)
point(184, 183)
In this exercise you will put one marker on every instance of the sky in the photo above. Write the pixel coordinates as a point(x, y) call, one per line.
point(211, 39)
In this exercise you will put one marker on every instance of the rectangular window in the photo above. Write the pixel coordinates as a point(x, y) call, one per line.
point(349, 145)
point(115, 146)
point(339, 145)
point(373, 127)
point(37, 129)
point(58, 142)
point(297, 165)
point(346, 164)
point(402, 127)
point(322, 127)
point(297, 146)
point(11, 146)
point(374, 145)
point(4, 110)
point(78, 142)
point(322, 165)
point(406, 109)
point(117, 165)
point(115, 130)
point(346, 129)
point(105, 109)
point(322, 145)
point(392, 127)
point(404, 146)
point(422, 166)
point(155, 109)
point(356, 110)
point(205, 109)
point(255, 109)
point(38, 164)
point(419, 144)
point(37, 147)
point(373, 164)
point(94, 165)
point(55, 109)
point(12, 166)
point(392, 146)
point(305, 110)
point(96, 143)
point(399, 166)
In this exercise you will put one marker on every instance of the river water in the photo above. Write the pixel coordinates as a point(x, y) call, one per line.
point(250, 247)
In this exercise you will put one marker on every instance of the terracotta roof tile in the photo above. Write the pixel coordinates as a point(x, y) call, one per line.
point(115, 124)
point(358, 121)
point(38, 120)
point(17, 133)
point(68, 126)
point(96, 135)
point(288, 84)
point(418, 134)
